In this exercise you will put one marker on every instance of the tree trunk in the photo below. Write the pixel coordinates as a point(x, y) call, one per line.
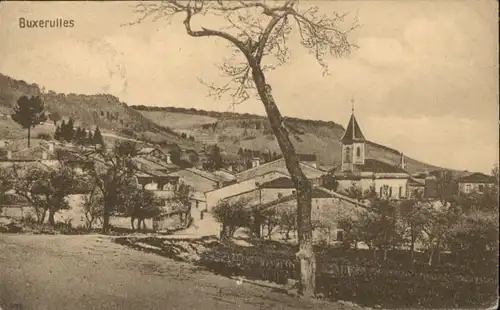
point(302, 184)
point(225, 233)
point(431, 256)
point(52, 221)
point(412, 245)
point(29, 135)
point(105, 218)
point(132, 223)
point(257, 228)
point(42, 217)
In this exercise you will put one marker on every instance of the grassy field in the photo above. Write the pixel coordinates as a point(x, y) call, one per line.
point(178, 120)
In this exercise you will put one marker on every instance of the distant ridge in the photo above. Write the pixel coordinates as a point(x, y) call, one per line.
point(233, 130)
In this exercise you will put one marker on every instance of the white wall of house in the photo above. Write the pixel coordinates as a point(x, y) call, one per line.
point(397, 187)
point(467, 188)
point(213, 197)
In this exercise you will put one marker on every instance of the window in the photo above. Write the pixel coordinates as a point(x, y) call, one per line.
point(381, 191)
point(400, 192)
point(348, 155)
point(468, 188)
point(390, 191)
point(481, 188)
point(358, 151)
point(340, 235)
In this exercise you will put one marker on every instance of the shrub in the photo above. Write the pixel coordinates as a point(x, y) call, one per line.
point(271, 266)
point(44, 136)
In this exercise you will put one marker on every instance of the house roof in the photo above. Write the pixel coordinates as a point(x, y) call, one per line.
point(277, 166)
point(353, 132)
point(477, 178)
point(146, 150)
point(208, 175)
point(415, 182)
point(150, 167)
point(198, 182)
point(224, 175)
point(281, 182)
point(318, 192)
point(306, 157)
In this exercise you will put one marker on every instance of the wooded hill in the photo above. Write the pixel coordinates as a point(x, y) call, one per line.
point(89, 111)
point(232, 131)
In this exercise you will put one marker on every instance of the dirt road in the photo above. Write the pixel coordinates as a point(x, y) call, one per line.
point(43, 272)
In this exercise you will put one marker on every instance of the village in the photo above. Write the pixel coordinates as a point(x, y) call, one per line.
point(74, 182)
point(149, 195)
point(249, 155)
point(186, 189)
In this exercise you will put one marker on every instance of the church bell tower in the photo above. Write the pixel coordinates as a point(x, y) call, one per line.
point(353, 145)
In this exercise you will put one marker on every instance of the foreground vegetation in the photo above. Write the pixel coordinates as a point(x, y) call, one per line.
point(350, 275)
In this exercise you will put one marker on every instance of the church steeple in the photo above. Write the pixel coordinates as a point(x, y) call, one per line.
point(353, 144)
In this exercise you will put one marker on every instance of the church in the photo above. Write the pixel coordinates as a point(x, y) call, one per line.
point(389, 181)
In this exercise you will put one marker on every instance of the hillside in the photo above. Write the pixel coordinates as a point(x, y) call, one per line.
point(103, 110)
point(232, 131)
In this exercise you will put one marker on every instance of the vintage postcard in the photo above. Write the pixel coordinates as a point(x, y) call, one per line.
point(249, 154)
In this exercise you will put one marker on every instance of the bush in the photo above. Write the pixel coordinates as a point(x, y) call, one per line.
point(44, 136)
point(273, 266)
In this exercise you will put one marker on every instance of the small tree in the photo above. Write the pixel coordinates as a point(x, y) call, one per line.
point(29, 112)
point(98, 139)
point(55, 117)
point(139, 204)
point(113, 173)
point(271, 221)
point(46, 190)
point(232, 215)
point(27, 185)
point(183, 194)
point(92, 207)
point(214, 158)
point(6, 184)
point(437, 229)
point(288, 220)
point(414, 214)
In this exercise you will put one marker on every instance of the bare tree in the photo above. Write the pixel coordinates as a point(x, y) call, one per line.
point(258, 30)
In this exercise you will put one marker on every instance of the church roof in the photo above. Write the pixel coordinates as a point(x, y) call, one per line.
point(377, 166)
point(353, 132)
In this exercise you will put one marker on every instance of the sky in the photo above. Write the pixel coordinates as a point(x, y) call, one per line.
point(424, 78)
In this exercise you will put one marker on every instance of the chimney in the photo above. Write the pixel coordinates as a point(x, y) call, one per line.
point(9, 154)
point(51, 147)
point(44, 155)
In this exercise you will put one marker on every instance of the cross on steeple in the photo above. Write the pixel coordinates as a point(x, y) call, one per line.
point(352, 103)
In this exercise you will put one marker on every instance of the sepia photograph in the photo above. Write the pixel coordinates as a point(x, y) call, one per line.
point(249, 154)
